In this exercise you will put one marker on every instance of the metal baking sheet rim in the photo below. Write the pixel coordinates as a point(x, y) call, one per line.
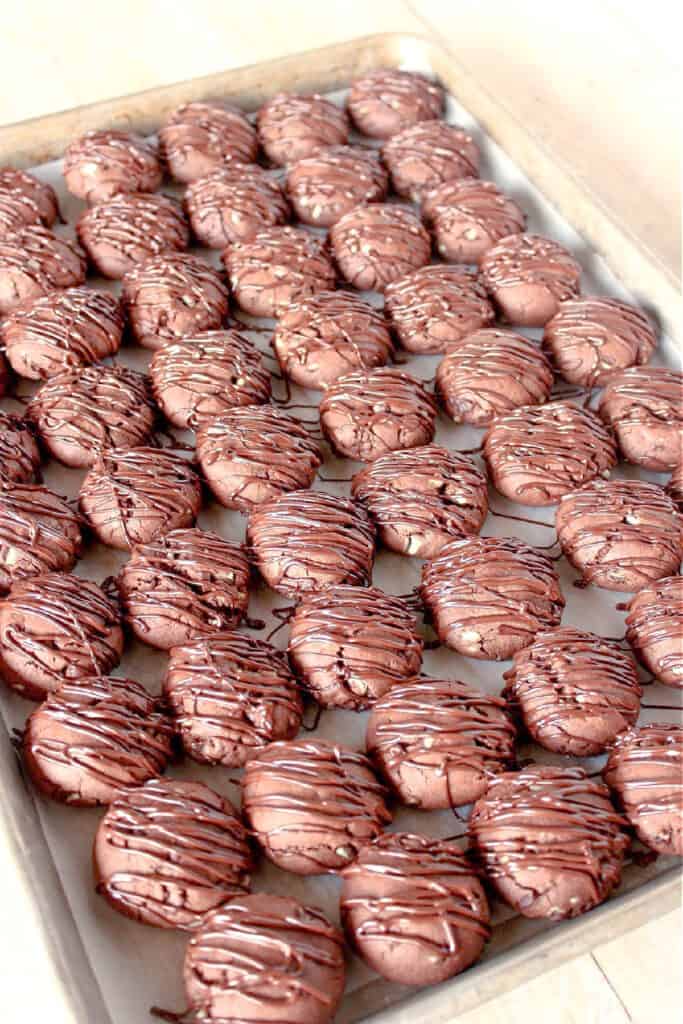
point(41, 139)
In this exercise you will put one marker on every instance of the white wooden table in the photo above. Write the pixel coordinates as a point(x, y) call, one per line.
point(601, 82)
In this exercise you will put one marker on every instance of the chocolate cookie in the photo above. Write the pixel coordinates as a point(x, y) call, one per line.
point(130, 496)
point(56, 628)
point(424, 155)
point(644, 408)
point(366, 414)
point(231, 695)
point(251, 455)
point(312, 804)
point(62, 331)
point(528, 277)
point(170, 851)
point(620, 534)
point(203, 375)
point(537, 454)
point(102, 164)
point(328, 335)
point(349, 645)
point(383, 102)
point(39, 533)
point(324, 187)
point(35, 261)
point(674, 487)
point(33, 193)
point(489, 596)
point(421, 498)
point(377, 244)
point(438, 742)
point(183, 584)
point(19, 453)
point(292, 127)
point(306, 540)
point(654, 629)
point(233, 203)
point(197, 138)
point(550, 841)
point(469, 216)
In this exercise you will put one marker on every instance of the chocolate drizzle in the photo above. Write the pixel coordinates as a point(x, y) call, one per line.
point(276, 267)
point(81, 413)
point(305, 540)
point(433, 309)
point(328, 335)
point(438, 742)
point(654, 629)
point(574, 691)
point(198, 377)
point(56, 627)
point(489, 596)
point(291, 127)
point(550, 840)
point(621, 534)
point(644, 407)
point(491, 373)
point(252, 454)
point(34, 261)
point(231, 695)
point(198, 137)
point(468, 216)
point(366, 414)
point(349, 645)
point(425, 154)
point(421, 498)
point(324, 187)
point(62, 331)
point(645, 771)
point(384, 101)
point(377, 244)
point(131, 496)
point(103, 163)
point(169, 852)
point(38, 533)
point(537, 454)
point(414, 908)
point(233, 203)
point(19, 454)
point(93, 738)
point(186, 583)
point(312, 804)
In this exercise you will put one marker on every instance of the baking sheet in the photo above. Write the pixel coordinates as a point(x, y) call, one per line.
point(136, 966)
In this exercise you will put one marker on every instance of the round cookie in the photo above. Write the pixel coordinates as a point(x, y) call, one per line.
point(538, 454)
point(203, 375)
point(35, 261)
point(366, 414)
point(438, 742)
point(19, 453)
point(348, 645)
point(173, 296)
point(265, 958)
point(291, 127)
point(39, 533)
point(377, 244)
point(654, 629)
point(421, 498)
point(433, 309)
point(384, 101)
point(549, 840)
point(93, 739)
point(591, 339)
point(644, 408)
point(328, 335)
point(414, 909)
point(17, 211)
point(102, 164)
point(312, 804)
point(645, 772)
point(424, 155)
point(231, 695)
point(198, 138)
point(183, 584)
point(233, 203)
point(32, 192)
point(56, 628)
point(324, 187)
point(276, 267)
point(305, 540)
point(490, 373)
point(83, 412)
point(620, 534)
point(573, 691)
point(469, 216)
point(168, 852)
point(252, 454)
point(62, 331)
point(132, 496)
point(528, 276)
point(488, 596)
point(129, 229)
